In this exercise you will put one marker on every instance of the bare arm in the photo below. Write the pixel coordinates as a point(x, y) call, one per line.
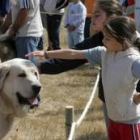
point(7, 23)
point(61, 54)
point(21, 18)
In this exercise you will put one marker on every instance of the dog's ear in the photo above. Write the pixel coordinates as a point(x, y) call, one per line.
point(4, 71)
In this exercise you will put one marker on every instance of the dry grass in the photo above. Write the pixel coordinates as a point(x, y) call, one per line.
point(48, 121)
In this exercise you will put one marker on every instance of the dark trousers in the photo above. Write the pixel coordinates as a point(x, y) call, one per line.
point(53, 28)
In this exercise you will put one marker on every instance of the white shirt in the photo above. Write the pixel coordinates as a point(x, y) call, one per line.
point(76, 15)
point(33, 24)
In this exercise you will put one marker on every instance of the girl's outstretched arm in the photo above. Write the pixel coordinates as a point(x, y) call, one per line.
point(61, 54)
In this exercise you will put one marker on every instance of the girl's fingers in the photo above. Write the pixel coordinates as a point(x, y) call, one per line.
point(30, 54)
point(36, 53)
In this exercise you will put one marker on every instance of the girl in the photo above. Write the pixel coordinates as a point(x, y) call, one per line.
point(119, 59)
point(102, 11)
point(75, 22)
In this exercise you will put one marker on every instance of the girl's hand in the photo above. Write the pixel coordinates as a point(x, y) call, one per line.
point(35, 53)
point(136, 98)
point(71, 28)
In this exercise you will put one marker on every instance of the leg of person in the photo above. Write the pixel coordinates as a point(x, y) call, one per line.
point(49, 30)
point(105, 115)
point(40, 44)
point(26, 45)
point(70, 39)
point(53, 22)
point(78, 37)
point(45, 24)
point(121, 131)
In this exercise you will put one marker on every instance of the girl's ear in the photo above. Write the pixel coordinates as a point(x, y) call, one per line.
point(124, 45)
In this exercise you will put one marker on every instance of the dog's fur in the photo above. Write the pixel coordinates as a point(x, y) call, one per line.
point(19, 87)
point(7, 50)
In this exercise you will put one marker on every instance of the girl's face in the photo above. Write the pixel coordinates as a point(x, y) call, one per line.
point(112, 44)
point(98, 18)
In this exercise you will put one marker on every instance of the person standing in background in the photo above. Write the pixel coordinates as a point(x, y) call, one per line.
point(128, 7)
point(89, 5)
point(26, 26)
point(132, 9)
point(75, 22)
point(5, 7)
point(137, 14)
point(52, 17)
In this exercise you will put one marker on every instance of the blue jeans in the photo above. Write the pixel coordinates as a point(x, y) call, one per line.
point(74, 38)
point(26, 45)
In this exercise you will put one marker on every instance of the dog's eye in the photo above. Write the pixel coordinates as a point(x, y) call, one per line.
point(22, 75)
point(35, 73)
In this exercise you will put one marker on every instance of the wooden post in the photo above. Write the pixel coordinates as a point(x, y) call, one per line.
point(69, 118)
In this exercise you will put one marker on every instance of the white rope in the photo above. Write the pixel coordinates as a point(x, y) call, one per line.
point(89, 102)
point(52, 13)
point(76, 124)
point(72, 131)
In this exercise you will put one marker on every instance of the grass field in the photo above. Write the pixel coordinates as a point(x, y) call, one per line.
point(69, 88)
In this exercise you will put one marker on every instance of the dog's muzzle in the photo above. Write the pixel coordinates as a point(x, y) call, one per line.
point(32, 101)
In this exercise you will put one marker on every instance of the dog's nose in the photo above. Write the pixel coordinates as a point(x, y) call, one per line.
point(36, 89)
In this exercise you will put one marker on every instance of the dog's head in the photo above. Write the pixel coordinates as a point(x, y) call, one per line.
point(19, 86)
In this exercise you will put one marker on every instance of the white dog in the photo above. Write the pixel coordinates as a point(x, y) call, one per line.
point(19, 88)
